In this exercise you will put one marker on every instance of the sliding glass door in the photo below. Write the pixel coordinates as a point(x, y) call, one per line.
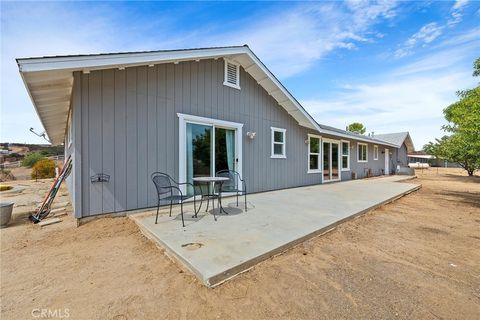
point(199, 151)
point(209, 149)
point(224, 149)
point(331, 162)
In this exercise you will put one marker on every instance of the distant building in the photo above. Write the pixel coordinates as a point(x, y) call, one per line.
point(423, 157)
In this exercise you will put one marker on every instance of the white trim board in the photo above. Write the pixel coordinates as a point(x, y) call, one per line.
point(320, 162)
point(49, 70)
point(366, 152)
point(349, 155)
point(339, 143)
point(375, 156)
point(272, 143)
point(225, 75)
point(182, 143)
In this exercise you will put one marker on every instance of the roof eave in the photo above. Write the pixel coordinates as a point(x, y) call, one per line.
point(106, 61)
point(52, 141)
point(66, 65)
point(357, 138)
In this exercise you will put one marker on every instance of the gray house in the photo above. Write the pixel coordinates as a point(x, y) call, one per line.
point(403, 143)
point(187, 113)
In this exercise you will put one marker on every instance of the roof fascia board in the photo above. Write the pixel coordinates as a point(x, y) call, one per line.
point(281, 87)
point(124, 60)
point(76, 63)
point(338, 134)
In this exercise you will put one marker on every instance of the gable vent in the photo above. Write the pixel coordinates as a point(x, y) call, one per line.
point(232, 75)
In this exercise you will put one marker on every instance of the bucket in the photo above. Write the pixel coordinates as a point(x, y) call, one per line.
point(6, 209)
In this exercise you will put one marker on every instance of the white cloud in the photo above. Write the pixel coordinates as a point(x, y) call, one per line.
point(431, 31)
point(290, 42)
point(456, 12)
point(393, 105)
point(408, 98)
point(459, 4)
point(425, 35)
point(439, 61)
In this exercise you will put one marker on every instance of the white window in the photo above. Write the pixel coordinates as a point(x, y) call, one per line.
point(375, 152)
point(362, 152)
point(278, 143)
point(314, 154)
point(232, 74)
point(345, 155)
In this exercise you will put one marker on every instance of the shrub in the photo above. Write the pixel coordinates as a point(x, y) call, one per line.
point(43, 169)
point(15, 155)
point(4, 187)
point(32, 158)
point(6, 175)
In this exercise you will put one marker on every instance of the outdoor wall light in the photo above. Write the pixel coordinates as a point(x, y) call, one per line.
point(307, 141)
point(251, 135)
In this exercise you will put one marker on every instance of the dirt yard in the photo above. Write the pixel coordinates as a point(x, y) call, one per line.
point(417, 258)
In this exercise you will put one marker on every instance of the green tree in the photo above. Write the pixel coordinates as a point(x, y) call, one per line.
point(357, 127)
point(476, 68)
point(463, 144)
point(32, 158)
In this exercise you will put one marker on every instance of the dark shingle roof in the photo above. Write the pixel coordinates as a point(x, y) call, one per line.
point(396, 138)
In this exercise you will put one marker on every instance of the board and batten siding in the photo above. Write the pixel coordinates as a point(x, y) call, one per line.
point(129, 129)
point(74, 149)
point(402, 156)
point(377, 167)
point(360, 168)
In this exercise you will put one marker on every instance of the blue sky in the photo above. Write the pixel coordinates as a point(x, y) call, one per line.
point(390, 65)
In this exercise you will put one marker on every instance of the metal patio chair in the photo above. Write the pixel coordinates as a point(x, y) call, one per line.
point(235, 184)
point(169, 189)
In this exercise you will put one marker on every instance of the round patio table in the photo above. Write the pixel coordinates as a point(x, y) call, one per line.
point(210, 181)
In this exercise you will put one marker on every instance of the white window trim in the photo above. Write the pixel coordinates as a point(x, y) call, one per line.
point(70, 129)
point(319, 170)
point(338, 142)
point(284, 131)
point(225, 82)
point(375, 152)
point(348, 156)
point(182, 149)
point(366, 155)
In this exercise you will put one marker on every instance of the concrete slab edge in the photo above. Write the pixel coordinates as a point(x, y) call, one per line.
point(244, 267)
point(248, 265)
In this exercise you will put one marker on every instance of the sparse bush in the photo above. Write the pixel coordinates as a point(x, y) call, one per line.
point(32, 158)
point(15, 155)
point(4, 187)
point(6, 175)
point(43, 169)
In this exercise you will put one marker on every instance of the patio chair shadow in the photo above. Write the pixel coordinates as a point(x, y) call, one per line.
point(188, 217)
point(231, 211)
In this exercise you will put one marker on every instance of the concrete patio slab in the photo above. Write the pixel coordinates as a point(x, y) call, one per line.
point(275, 221)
